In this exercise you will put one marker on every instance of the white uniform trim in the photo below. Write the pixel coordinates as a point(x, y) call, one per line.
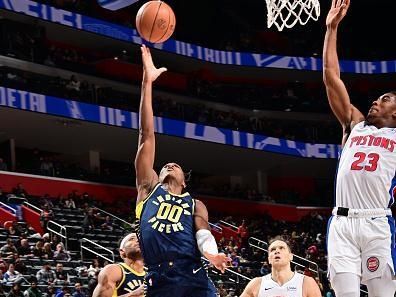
point(292, 288)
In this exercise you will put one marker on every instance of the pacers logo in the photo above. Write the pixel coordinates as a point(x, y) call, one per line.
point(170, 210)
point(372, 264)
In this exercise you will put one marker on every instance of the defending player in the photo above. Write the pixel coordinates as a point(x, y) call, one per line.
point(282, 281)
point(123, 279)
point(174, 228)
point(361, 242)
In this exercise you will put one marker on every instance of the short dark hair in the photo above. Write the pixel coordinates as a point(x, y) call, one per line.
point(393, 93)
point(280, 238)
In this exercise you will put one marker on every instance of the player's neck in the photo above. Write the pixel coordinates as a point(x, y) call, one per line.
point(172, 186)
point(136, 265)
point(282, 275)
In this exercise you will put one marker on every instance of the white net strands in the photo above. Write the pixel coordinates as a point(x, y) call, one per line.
point(287, 13)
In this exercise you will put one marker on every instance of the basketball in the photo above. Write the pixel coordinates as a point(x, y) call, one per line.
point(155, 21)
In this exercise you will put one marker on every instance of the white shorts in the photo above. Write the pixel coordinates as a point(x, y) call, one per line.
point(364, 246)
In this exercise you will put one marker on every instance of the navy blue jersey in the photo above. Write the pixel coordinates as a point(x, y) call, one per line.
point(166, 227)
point(131, 280)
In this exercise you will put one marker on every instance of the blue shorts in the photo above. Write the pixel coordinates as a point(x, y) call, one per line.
point(179, 278)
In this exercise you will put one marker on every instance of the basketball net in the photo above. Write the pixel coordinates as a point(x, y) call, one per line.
point(286, 13)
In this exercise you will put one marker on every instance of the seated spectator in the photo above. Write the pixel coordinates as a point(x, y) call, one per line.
point(69, 202)
point(11, 231)
point(12, 276)
point(19, 191)
point(51, 291)
point(19, 264)
point(38, 249)
point(3, 165)
point(54, 241)
point(25, 249)
point(64, 292)
point(8, 249)
point(243, 233)
point(62, 277)
point(33, 291)
point(265, 269)
point(46, 275)
point(3, 268)
point(92, 283)
point(93, 268)
point(15, 291)
point(108, 224)
point(61, 254)
point(78, 291)
point(46, 215)
point(47, 251)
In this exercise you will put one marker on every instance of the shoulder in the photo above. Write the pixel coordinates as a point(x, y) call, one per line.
point(310, 287)
point(254, 285)
point(111, 272)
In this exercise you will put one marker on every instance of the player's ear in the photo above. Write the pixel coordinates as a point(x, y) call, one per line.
point(291, 257)
point(122, 254)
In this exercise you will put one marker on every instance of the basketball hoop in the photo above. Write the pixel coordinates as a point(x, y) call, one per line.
point(286, 13)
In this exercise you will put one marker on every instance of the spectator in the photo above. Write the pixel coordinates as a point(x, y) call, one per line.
point(69, 203)
point(46, 275)
point(11, 231)
point(93, 268)
point(46, 215)
point(89, 220)
point(12, 276)
point(65, 292)
point(108, 224)
point(3, 165)
point(8, 249)
point(25, 249)
point(51, 292)
point(265, 269)
point(78, 291)
point(92, 283)
point(38, 249)
point(19, 264)
point(19, 191)
point(243, 233)
point(47, 251)
point(15, 291)
point(61, 254)
point(62, 277)
point(33, 291)
point(3, 268)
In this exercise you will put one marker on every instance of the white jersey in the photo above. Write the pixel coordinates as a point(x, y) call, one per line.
point(292, 288)
point(366, 175)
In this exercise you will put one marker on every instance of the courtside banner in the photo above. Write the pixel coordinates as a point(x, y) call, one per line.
point(29, 101)
point(78, 21)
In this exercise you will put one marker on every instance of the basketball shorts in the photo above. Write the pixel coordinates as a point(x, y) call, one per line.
point(361, 242)
point(182, 278)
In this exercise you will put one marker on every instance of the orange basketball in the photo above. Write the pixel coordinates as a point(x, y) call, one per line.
point(155, 21)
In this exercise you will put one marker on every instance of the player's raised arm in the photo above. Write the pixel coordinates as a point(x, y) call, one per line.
point(337, 93)
point(146, 177)
point(205, 240)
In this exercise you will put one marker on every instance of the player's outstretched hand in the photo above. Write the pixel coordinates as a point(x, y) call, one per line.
point(220, 261)
point(337, 12)
point(150, 72)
